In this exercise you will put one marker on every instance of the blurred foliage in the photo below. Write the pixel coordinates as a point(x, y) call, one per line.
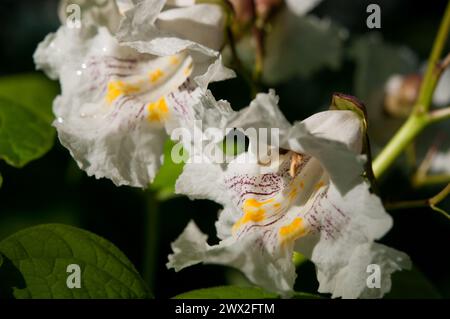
point(164, 183)
point(412, 284)
point(318, 44)
point(376, 61)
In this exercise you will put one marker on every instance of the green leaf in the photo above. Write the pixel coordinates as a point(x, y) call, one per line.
point(36, 261)
point(228, 292)
point(25, 117)
point(33, 91)
point(411, 284)
point(24, 136)
point(302, 46)
point(164, 183)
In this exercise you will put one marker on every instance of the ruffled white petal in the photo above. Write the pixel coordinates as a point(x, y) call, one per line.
point(263, 112)
point(214, 72)
point(342, 248)
point(201, 23)
point(273, 272)
point(94, 13)
point(351, 281)
point(196, 181)
point(197, 29)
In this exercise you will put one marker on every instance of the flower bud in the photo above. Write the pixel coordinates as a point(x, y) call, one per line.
point(400, 94)
point(264, 7)
point(243, 10)
point(347, 102)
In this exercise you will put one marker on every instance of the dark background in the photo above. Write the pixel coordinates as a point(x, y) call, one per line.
point(53, 189)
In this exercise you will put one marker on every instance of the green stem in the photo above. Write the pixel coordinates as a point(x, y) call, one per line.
point(258, 34)
point(432, 73)
point(420, 116)
point(440, 196)
point(404, 136)
point(435, 179)
point(237, 63)
point(430, 202)
point(440, 114)
point(239, 66)
point(412, 127)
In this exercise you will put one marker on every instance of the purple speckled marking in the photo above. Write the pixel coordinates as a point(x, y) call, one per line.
point(323, 216)
point(329, 221)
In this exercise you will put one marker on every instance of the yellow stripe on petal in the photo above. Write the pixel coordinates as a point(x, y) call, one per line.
point(319, 185)
point(188, 69)
point(156, 75)
point(253, 212)
point(174, 60)
point(292, 231)
point(293, 193)
point(255, 217)
point(118, 88)
point(157, 111)
point(253, 203)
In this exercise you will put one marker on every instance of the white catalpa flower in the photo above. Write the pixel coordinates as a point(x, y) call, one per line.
point(308, 42)
point(296, 43)
point(312, 200)
point(116, 95)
